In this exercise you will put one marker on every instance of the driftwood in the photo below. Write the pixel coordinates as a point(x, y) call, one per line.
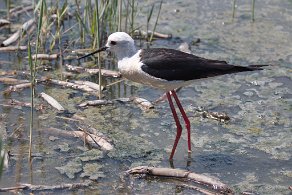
point(219, 116)
point(44, 56)
point(13, 72)
point(89, 84)
point(19, 10)
point(215, 185)
point(17, 87)
point(32, 187)
point(54, 103)
point(82, 51)
point(12, 81)
point(95, 103)
point(18, 103)
point(149, 33)
point(142, 103)
point(6, 73)
point(104, 72)
point(18, 33)
point(4, 22)
point(93, 140)
point(13, 48)
point(74, 86)
point(199, 189)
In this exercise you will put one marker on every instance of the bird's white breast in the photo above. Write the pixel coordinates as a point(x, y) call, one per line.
point(130, 68)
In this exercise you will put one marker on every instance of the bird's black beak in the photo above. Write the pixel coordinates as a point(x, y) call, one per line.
point(97, 51)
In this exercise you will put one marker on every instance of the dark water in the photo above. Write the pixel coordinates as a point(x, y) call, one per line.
point(250, 153)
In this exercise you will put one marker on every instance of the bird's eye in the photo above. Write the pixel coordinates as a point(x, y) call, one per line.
point(113, 42)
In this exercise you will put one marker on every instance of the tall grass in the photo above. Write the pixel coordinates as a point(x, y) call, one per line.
point(33, 65)
point(97, 40)
point(253, 9)
point(154, 28)
point(233, 9)
point(2, 156)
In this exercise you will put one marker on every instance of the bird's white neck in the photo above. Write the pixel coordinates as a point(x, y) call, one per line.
point(125, 52)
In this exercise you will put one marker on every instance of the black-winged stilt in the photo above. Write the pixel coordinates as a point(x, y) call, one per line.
point(165, 69)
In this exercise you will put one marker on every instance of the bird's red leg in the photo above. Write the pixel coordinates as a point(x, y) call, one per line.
point(178, 125)
point(186, 119)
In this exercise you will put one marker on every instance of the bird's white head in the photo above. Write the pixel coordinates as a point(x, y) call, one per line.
point(121, 44)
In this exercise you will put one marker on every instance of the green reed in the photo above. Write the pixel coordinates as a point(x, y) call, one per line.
point(33, 65)
point(154, 28)
point(253, 9)
point(2, 156)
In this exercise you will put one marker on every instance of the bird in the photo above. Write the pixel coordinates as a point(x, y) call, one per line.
point(167, 70)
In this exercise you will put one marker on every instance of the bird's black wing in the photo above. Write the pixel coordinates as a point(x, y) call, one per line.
point(170, 64)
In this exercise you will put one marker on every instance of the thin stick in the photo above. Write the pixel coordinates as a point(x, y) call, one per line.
point(98, 44)
point(120, 15)
point(212, 183)
point(156, 21)
point(26, 186)
point(253, 6)
point(233, 9)
point(33, 75)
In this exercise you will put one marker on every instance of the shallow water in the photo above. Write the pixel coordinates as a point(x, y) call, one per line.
point(250, 153)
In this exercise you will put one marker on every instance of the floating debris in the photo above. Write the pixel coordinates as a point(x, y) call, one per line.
point(12, 81)
point(74, 86)
point(14, 12)
point(45, 56)
point(31, 187)
point(219, 116)
point(17, 88)
point(4, 22)
point(143, 103)
point(94, 140)
point(104, 72)
point(204, 180)
point(89, 84)
point(54, 103)
point(25, 27)
point(13, 48)
point(149, 33)
point(95, 103)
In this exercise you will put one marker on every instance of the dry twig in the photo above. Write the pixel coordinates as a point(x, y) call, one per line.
point(93, 140)
point(95, 103)
point(104, 72)
point(183, 174)
point(20, 9)
point(25, 27)
point(4, 22)
point(74, 86)
point(155, 34)
point(17, 87)
point(44, 56)
point(13, 48)
point(26, 186)
point(142, 103)
point(12, 81)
